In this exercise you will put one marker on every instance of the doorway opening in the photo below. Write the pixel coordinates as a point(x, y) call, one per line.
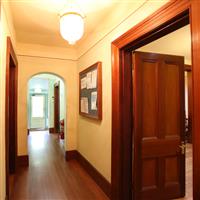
point(170, 17)
point(57, 107)
point(11, 117)
point(46, 104)
point(161, 73)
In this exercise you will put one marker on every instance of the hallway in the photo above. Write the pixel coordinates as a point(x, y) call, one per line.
point(49, 176)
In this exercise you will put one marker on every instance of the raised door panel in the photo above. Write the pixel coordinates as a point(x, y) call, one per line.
point(169, 96)
point(149, 104)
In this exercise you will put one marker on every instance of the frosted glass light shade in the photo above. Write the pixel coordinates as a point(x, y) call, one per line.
point(71, 27)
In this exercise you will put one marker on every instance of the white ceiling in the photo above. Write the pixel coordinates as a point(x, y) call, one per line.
point(37, 21)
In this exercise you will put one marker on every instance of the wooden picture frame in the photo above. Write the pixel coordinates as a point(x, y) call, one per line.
point(90, 92)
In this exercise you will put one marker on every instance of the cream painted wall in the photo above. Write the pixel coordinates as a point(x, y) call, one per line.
point(175, 43)
point(6, 29)
point(36, 50)
point(67, 70)
point(94, 138)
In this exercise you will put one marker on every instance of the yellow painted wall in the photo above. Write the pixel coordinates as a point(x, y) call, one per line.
point(6, 29)
point(37, 50)
point(67, 70)
point(94, 138)
point(175, 43)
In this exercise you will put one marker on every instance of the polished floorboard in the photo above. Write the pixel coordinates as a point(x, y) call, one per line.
point(49, 176)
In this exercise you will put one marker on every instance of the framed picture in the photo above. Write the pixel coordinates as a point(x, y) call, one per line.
point(90, 92)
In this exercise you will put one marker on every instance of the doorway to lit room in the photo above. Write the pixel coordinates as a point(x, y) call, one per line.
point(46, 113)
point(46, 104)
point(38, 115)
point(163, 77)
point(150, 170)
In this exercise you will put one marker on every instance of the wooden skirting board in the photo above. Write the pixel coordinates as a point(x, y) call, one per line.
point(23, 161)
point(71, 155)
point(96, 176)
point(51, 130)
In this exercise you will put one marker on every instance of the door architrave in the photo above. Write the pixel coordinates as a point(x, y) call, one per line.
point(153, 27)
point(11, 64)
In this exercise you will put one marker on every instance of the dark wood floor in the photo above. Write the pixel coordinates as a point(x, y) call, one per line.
point(50, 177)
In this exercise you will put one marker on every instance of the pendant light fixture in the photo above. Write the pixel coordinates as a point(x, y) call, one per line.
point(72, 24)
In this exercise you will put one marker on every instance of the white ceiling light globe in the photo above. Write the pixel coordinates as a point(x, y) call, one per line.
point(71, 26)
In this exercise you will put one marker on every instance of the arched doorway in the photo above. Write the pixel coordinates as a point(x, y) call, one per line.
point(46, 103)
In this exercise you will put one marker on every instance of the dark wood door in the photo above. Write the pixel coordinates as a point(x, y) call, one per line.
point(11, 117)
point(12, 113)
point(158, 107)
point(56, 108)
